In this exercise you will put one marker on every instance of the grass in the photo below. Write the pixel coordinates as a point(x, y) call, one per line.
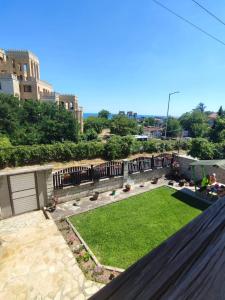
point(121, 233)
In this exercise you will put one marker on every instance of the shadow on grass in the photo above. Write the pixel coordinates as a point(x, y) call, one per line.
point(191, 201)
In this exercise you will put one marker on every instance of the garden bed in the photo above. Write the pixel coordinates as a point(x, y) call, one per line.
point(91, 270)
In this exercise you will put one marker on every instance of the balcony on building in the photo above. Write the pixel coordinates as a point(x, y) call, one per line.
point(50, 96)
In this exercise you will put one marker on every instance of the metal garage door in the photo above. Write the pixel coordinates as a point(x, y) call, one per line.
point(23, 192)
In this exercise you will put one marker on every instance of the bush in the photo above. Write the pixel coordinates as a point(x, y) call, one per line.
point(202, 149)
point(4, 142)
point(116, 148)
point(38, 154)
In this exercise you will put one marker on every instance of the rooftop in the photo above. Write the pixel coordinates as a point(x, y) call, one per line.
point(21, 53)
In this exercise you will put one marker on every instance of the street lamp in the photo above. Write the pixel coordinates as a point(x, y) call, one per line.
point(168, 108)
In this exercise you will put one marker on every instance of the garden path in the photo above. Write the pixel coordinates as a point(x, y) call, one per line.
point(36, 262)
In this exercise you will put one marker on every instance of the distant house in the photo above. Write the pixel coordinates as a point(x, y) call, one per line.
point(121, 113)
point(153, 132)
point(212, 118)
point(131, 115)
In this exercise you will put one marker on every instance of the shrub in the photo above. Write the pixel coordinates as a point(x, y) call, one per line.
point(202, 149)
point(38, 154)
point(116, 148)
point(4, 142)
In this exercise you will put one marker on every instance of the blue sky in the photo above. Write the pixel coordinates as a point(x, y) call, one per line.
point(122, 55)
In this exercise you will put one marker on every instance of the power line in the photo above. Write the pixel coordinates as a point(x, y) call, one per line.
point(209, 12)
point(189, 22)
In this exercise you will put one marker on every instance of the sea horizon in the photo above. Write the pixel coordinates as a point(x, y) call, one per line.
point(86, 115)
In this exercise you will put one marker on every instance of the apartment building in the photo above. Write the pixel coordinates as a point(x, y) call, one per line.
point(20, 76)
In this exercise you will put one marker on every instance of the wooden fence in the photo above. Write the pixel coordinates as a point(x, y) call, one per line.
point(141, 164)
point(77, 175)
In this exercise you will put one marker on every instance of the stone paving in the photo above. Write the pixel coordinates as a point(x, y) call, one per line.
point(36, 263)
point(68, 208)
point(84, 204)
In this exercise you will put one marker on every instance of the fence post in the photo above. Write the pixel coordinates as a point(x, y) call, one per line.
point(92, 173)
point(152, 162)
point(163, 162)
point(108, 167)
point(125, 169)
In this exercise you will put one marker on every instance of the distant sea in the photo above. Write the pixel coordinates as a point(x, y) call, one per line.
point(86, 115)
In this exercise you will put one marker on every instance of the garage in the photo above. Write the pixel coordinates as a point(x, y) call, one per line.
point(23, 193)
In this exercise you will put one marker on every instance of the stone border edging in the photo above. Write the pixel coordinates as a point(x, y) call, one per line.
point(110, 268)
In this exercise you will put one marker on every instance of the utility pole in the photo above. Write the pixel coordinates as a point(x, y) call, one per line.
point(168, 108)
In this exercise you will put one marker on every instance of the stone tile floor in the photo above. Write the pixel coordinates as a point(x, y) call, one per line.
point(36, 263)
point(67, 208)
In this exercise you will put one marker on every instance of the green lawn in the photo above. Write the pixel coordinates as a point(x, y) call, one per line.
point(121, 233)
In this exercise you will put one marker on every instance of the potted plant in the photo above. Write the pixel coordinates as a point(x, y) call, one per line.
point(127, 187)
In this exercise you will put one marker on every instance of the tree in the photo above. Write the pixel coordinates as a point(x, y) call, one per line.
point(9, 114)
point(201, 107)
point(173, 127)
point(104, 114)
point(34, 122)
point(221, 112)
point(149, 121)
point(202, 149)
point(119, 147)
point(196, 123)
point(90, 135)
point(218, 131)
point(122, 125)
point(95, 123)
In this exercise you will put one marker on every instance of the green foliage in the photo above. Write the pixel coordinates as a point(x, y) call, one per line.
point(119, 147)
point(202, 149)
point(4, 142)
point(151, 146)
point(201, 107)
point(115, 148)
point(38, 154)
point(9, 114)
point(173, 127)
point(221, 112)
point(149, 121)
point(104, 114)
point(218, 131)
point(98, 124)
point(122, 125)
point(90, 135)
point(196, 123)
point(34, 122)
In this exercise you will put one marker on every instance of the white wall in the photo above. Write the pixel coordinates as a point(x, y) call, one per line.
point(9, 85)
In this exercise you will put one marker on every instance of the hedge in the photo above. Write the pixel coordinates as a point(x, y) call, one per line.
point(115, 148)
point(39, 154)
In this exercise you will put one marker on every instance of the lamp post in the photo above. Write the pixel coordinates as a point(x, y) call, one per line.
point(168, 108)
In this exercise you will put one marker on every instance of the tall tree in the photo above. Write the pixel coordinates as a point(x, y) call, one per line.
point(122, 125)
point(33, 122)
point(104, 114)
point(196, 123)
point(221, 112)
point(173, 127)
point(201, 107)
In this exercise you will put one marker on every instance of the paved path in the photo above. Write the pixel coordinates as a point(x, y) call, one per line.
point(85, 204)
point(36, 263)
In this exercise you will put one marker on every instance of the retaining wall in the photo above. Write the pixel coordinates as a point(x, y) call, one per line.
point(186, 170)
point(108, 184)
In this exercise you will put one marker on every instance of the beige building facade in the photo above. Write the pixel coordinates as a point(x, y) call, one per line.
point(20, 77)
